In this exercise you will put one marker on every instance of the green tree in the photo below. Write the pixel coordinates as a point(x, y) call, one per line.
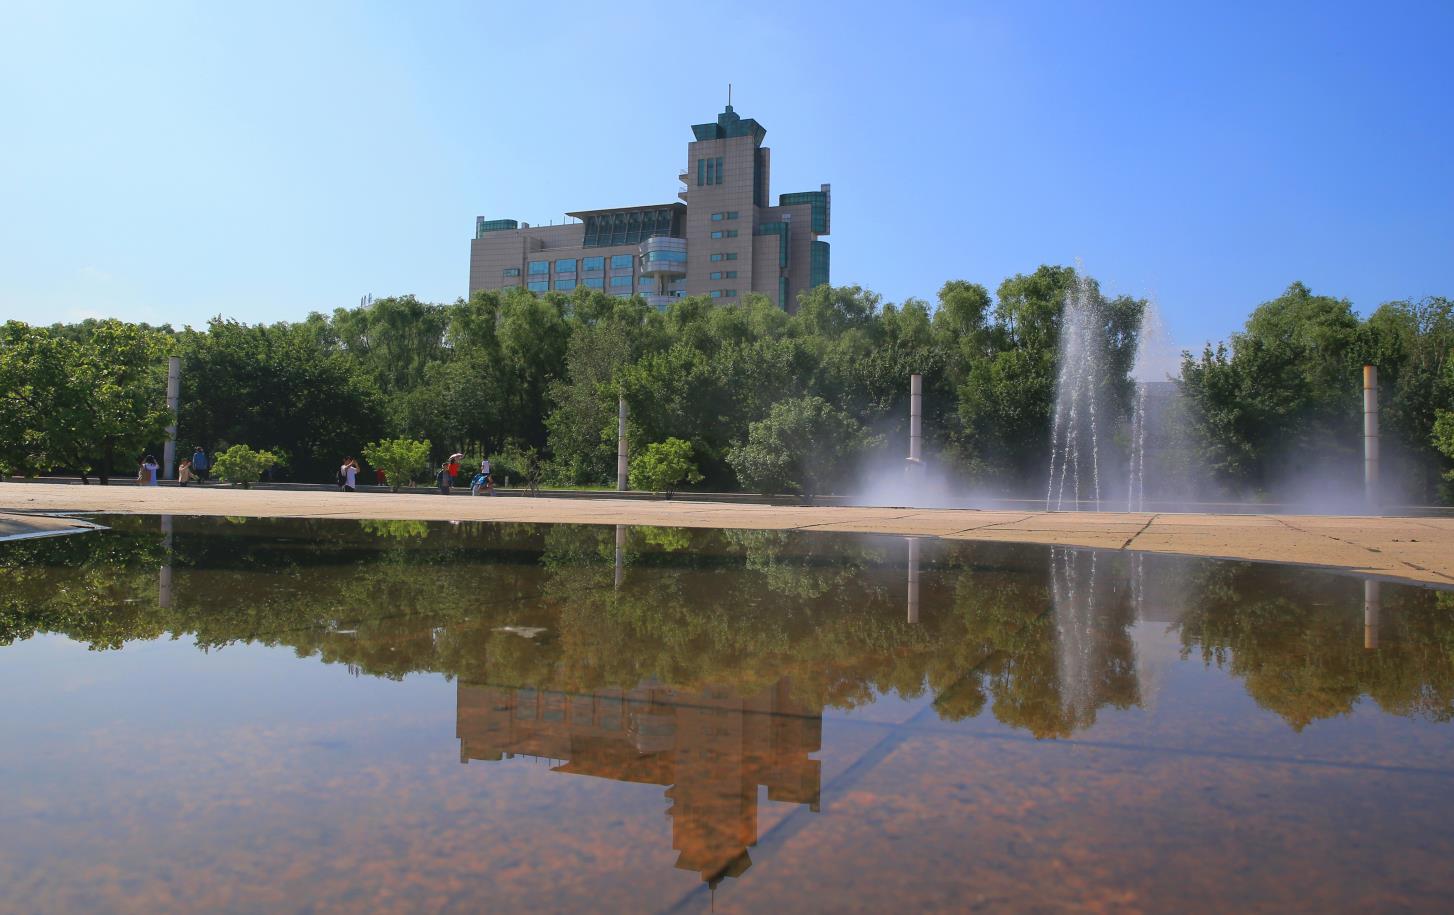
point(241, 465)
point(80, 403)
point(279, 387)
point(663, 466)
point(804, 445)
point(402, 460)
point(1287, 391)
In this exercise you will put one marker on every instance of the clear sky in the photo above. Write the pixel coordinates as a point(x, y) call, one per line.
point(166, 162)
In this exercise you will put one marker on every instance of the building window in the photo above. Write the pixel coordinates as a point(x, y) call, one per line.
point(565, 285)
point(716, 293)
point(728, 256)
point(719, 169)
point(538, 285)
point(594, 282)
point(718, 217)
point(565, 265)
point(701, 170)
point(711, 171)
point(732, 215)
point(593, 264)
point(724, 275)
point(539, 267)
point(716, 275)
point(620, 260)
point(619, 281)
point(725, 233)
point(512, 271)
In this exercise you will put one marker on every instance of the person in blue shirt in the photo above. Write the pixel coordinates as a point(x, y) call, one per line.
point(199, 463)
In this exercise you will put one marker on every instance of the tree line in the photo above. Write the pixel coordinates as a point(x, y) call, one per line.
point(764, 400)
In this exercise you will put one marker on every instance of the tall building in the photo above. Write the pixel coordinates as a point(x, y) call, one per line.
point(723, 238)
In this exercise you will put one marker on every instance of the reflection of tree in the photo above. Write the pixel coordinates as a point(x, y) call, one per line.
point(1297, 641)
point(738, 610)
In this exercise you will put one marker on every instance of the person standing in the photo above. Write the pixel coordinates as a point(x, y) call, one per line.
point(149, 471)
point(184, 472)
point(348, 475)
point(443, 479)
point(485, 466)
point(200, 464)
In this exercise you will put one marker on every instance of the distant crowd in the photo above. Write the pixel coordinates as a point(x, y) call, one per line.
point(196, 467)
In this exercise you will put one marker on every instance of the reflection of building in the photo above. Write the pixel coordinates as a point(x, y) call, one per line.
point(713, 747)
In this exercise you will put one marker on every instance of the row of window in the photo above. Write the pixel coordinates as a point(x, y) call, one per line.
point(709, 171)
point(728, 256)
point(718, 217)
point(590, 282)
point(725, 233)
point(724, 293)
point(568, 265)
point(724, 274)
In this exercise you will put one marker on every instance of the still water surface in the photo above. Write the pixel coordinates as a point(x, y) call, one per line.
point(249, 715)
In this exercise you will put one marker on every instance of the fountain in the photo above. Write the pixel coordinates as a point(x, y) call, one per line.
point(1075, 437)
point(1155, 364)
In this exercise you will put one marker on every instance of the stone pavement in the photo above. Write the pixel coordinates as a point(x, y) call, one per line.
point(1411, 549)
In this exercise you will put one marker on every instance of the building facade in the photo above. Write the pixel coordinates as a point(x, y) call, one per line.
point(722, 238)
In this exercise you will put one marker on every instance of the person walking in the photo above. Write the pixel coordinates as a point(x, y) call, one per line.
point(184, 472)
point(443, 479)
point(200, 464)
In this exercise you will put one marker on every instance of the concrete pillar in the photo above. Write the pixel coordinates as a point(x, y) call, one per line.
point(916, 417)
point(1371, 605)
point(621, 444)
point(1370, 437)
point(174, 396)
point(914, 579)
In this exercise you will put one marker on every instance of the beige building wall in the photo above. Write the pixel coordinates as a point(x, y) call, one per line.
point(754, 258)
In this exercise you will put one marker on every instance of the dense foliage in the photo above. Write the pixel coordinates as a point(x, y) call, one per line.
point(534, 380)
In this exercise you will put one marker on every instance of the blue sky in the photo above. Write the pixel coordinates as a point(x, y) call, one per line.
point(171, 162)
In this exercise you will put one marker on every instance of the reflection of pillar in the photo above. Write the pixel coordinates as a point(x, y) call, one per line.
point(164, 587)
point(914, 578)
point(621, 444)
point(1371, 607)
point(174, 396)
point(1370, 436)
point(620, 553)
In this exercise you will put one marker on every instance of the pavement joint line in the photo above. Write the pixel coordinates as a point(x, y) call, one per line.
point(1366, 548)
point(1141, 531)
point(985, 527)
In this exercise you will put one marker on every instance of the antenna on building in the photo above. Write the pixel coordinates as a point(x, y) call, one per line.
point(729, 95)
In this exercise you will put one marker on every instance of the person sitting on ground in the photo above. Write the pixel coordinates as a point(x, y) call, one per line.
point(184, 472)
point(476, 483)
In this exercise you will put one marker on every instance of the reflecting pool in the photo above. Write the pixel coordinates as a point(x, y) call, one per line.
point(251, 715)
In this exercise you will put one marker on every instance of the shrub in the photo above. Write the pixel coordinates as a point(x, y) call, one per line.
point(522, 462)
point(402, 460)
point(242, 466)
point(802, 446)
point(662, 466)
